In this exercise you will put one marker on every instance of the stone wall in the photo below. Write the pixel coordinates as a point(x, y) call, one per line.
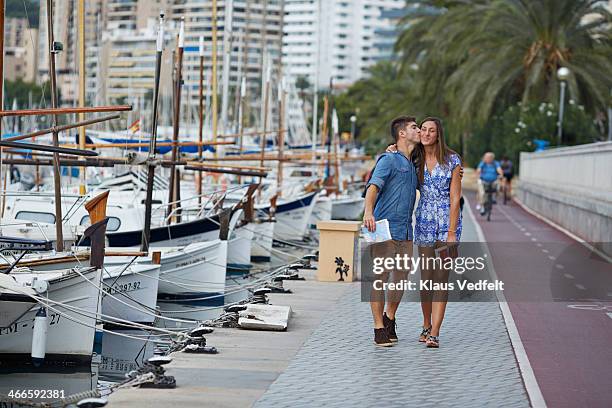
point(571, 186)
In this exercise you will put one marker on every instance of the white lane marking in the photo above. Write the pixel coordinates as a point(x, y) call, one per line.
point(563, 230)
point(559, 266)
point(531, 383)
point(528, 234)
point(538, 244)
point(545, 250)
point(579, 286)
point(552, 258)
point(568, 275)
point(534, 239)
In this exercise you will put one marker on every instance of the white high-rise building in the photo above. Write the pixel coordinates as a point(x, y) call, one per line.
point(333, 39)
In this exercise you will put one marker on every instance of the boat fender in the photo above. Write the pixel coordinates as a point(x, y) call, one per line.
point(39, 337)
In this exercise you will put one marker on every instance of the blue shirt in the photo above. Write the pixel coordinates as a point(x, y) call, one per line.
point(396, 179)
point(488, 172)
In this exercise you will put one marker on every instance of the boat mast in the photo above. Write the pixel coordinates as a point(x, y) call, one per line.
point(336, 141)
point(281, 133)
point(54, 49)
point(214, 73)
point(329, 139)
point(175, 176)
point(201, 117)
point(1, 85)
point(315, 96)
point(227, 52)
point(81, 35)
point(265, 118)
point(146, 232)
point(241, 118)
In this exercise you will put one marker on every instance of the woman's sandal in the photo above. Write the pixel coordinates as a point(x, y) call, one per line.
point(433, 342)
point(424, 335)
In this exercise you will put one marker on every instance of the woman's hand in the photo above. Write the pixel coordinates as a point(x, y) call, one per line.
point(392, 148)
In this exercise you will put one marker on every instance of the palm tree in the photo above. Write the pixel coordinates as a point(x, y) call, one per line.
point(480, 56)
point(384, 94)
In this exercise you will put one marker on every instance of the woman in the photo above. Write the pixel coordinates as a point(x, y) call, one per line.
point(438, 219)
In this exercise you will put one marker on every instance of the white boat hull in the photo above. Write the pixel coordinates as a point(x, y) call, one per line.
point(15, 300)
point(349, 208)
point(70, 333)
point(322, 211)
point(131, 294)
point(122, 354)
point(292, 223)
point(190, 273)
point(263, 236)
point(239, 249)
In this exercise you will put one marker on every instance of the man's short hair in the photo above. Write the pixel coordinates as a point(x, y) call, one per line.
point(400, 123)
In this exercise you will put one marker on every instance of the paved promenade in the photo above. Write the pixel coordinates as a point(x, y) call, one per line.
point(339, 365)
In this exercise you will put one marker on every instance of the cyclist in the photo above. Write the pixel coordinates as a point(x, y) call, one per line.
point(508, 170)
point(488, 171)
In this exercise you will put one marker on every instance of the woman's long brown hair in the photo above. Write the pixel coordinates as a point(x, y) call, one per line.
point(442, 153)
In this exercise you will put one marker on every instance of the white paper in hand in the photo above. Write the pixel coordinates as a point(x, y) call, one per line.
point(381, 234)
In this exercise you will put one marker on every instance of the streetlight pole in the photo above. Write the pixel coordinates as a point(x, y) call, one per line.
point(563, 74)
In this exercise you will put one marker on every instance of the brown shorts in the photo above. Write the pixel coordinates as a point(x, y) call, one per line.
point(390, 249)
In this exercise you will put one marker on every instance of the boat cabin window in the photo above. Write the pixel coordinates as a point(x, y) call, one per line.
point(36, 216)
point(113, 223)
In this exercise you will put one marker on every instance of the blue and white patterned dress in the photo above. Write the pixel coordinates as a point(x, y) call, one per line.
point(433, 211)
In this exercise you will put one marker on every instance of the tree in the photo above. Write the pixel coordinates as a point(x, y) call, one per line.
point(515, 129)
point(29, 9)
point(484, 55)
point(20, 91)
point(384, 94)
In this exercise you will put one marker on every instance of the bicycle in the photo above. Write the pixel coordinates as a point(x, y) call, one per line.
point(506, 189)
point(490, 189)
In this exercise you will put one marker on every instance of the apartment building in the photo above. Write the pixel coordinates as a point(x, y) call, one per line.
point(334, 39)
point(20, 50)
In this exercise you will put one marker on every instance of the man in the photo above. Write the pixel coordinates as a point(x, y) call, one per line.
point(390, 194)
point(488, 171)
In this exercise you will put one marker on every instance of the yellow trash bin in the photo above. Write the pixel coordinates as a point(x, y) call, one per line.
point(338, 250)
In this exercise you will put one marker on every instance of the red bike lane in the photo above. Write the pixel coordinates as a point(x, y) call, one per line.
point(560, 296)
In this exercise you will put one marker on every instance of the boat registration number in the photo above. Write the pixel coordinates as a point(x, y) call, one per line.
point(123, 287)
